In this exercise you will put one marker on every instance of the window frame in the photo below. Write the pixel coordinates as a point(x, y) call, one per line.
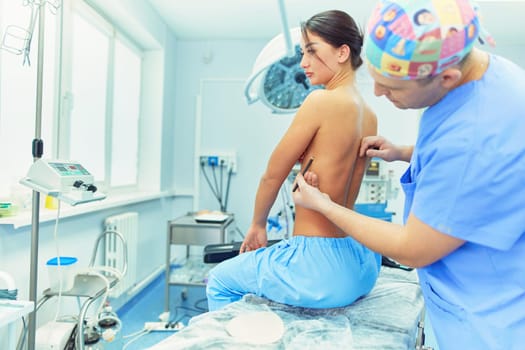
point(151, 47)
point(15, 192)
point(113, 33)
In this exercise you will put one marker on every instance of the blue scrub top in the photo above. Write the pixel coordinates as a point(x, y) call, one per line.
point(467, 179)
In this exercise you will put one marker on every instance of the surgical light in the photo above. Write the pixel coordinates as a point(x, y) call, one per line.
point(277, 79)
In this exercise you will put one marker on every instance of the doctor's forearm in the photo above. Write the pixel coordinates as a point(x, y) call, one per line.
point(380, 236)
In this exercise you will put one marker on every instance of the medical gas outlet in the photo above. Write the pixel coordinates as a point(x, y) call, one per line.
point(226, 161)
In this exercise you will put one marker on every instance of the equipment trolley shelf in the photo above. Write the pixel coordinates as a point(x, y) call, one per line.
point(193, 229)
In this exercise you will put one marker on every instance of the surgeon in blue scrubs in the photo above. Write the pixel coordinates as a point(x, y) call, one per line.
point(464, 222)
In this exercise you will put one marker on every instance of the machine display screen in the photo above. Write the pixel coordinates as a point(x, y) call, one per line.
point(69, 169)
point(373, 168)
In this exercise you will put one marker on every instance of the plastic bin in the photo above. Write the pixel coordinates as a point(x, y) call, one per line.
point(66, 269)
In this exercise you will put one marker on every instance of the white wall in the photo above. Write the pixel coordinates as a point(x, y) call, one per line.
point(228, 123)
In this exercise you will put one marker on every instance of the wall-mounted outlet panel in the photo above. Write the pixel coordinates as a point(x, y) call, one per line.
point(227, 160)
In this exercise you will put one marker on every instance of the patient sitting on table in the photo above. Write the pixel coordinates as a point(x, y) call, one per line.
point(319, 267)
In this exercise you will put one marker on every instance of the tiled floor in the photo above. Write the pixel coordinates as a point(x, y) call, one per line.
point(149, 305)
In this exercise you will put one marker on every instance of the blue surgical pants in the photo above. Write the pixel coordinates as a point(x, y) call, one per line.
point(312, 272)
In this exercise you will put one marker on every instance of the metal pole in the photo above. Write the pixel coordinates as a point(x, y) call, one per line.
point(37, 150)
point(286, 30)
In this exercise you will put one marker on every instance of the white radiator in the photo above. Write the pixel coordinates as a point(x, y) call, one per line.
point(127, 225)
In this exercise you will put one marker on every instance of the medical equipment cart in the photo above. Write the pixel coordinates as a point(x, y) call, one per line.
point(90, 285)
point(193, 229)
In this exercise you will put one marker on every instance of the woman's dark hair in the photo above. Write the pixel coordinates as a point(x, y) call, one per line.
point(337, 28)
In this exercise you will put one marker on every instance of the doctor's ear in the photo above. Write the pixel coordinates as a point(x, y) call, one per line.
point(450, 77)
point(344, 53)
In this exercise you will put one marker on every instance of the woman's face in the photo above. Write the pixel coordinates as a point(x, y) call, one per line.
point(319, 59)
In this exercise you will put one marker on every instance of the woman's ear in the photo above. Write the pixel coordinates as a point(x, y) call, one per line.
point(344, 53)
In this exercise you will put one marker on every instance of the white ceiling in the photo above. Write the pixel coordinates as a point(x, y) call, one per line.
point(260, 19)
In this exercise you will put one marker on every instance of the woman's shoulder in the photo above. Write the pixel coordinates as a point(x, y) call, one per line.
point(330, 99)
point(317, 95)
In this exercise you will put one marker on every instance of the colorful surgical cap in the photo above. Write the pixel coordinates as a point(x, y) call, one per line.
point(413, 39)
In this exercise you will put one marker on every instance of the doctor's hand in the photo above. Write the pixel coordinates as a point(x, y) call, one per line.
point(308, 194)
point(378, 146)
point(255, 238)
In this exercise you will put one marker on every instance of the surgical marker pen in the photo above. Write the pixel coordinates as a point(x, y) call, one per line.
point(304, 172)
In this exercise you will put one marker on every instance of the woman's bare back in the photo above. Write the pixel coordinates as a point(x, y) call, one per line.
point(335, 148)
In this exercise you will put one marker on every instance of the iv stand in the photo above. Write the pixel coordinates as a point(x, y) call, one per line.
point(37, 154)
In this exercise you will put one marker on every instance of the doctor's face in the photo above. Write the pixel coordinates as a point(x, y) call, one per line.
point(408, 94)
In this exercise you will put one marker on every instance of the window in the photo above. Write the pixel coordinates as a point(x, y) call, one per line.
point(91, 106)
point(105, 93)
point(18, 90)
point(126, 108)
point(89, 95)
